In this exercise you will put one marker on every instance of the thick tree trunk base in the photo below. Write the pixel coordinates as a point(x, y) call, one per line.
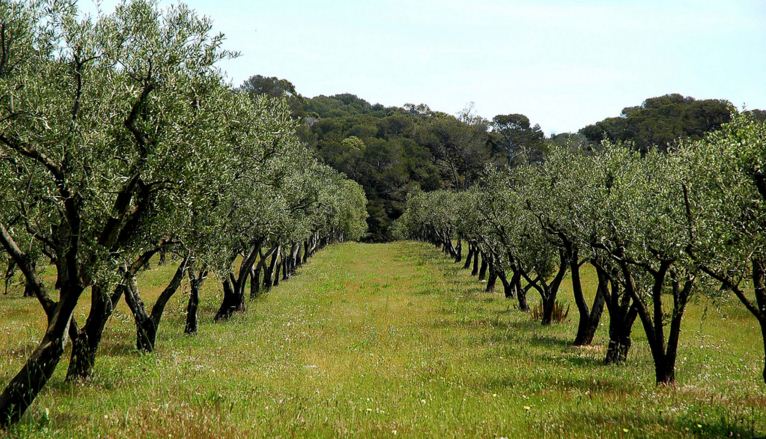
point(83, 358)
point(665, 374)
point(483, 269)
point(491, 282)
point(232, 302)
point(521, 297)
point(585, 337)
point(146, 337)
point(548, 305)
point(192, 320)
point(24, 387)
point(468, 259)
point(588, 324)
point(617, 351)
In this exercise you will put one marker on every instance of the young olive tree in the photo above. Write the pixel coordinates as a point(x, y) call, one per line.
point(648, 241)
point(593, 204)
point(555, 193)
point(526, 243)
point(256, 206)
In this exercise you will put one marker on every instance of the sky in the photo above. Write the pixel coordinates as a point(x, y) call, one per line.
point(564, 64)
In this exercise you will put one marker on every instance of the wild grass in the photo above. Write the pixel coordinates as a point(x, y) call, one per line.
point(559, 314)
point(389, 340)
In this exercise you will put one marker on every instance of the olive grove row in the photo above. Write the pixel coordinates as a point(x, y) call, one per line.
point(119, 140)
point(657, 227)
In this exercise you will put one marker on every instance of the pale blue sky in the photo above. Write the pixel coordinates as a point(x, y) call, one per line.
point(562, 63)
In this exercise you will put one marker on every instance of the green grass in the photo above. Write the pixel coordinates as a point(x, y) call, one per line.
point(390, 340)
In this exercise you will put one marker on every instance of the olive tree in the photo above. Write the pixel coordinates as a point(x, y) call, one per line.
point(556, 194)
point(527, 245)
point(95, 124)
point(646, 237)
point(725, 201)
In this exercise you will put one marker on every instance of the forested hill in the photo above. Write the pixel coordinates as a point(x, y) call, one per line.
point(394, 151)
point(664, 119)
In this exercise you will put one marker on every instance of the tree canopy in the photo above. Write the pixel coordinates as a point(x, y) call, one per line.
point(661, 121)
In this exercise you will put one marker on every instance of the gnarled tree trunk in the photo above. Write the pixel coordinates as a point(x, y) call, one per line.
point(469, 257)
point(195, 283)
point(85, 344)
point(475, 269)
point(492, 278)
point(483, 269)
point(622, 315)
point(19, 394)
point(234, 287)
point(268, 278)
point(588, 318)
point(148, 324)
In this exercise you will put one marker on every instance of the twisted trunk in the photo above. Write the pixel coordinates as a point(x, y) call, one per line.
point(521, 293)
point(255, 281)
point(622, 315)
point(475, 270)
point(195, 283)
point(507, 288)
point(588, 318)
point(492, 278)
point(276, 272)
point(548, 292)
point(232, 302)
point(19, 394)
point(295, 258)
point(234, 287)
point(147, 324)
point(255, 276)
point(268, 278)
point(469, 257)
point(483, 269)
point(664, 351)
point(85, 343)
point(620, 329)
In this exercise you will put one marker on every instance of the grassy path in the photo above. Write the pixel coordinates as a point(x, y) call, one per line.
point(390, 340)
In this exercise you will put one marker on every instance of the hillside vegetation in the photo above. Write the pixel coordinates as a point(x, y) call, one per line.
point(396, 151)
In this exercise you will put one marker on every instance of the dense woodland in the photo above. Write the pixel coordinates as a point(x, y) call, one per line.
point(395, 151)
point(121, 140)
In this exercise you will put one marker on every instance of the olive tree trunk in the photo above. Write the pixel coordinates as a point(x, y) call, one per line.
point(195, 283)
point(147, 324)
point(22, 390)
point(589, 318)
point(85, 343)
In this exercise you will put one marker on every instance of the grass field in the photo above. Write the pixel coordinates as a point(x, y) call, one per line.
point(389, 340)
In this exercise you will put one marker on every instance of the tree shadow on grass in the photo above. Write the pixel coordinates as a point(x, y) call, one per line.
point(580, 361)
point(112, 349)
point(566, 383)
point(643, 425)
point(550, 341)
point(502, 326)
